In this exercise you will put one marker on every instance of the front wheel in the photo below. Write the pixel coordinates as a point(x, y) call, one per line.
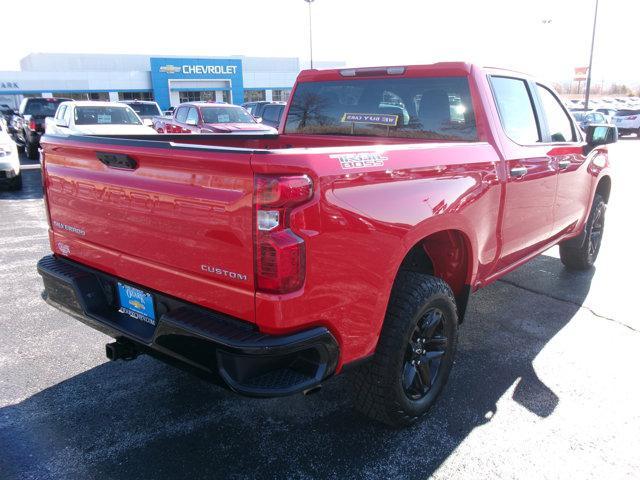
point(583, 256)
point(415, 352)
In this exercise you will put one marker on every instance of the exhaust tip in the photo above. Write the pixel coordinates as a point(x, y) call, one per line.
point(120, 350)
point(312, 390)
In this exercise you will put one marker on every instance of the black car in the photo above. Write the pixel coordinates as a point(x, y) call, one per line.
point(255, 108)
point(271, 113)
point(29, 123)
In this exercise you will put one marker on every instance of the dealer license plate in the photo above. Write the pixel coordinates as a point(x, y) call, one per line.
point(136, 303)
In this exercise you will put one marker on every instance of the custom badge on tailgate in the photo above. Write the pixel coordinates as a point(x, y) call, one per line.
point(349, 161)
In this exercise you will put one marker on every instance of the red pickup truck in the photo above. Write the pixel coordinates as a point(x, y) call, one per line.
point(209, 117)
point(352, 239)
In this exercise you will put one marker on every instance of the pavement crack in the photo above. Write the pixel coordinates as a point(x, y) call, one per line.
point(544, 294)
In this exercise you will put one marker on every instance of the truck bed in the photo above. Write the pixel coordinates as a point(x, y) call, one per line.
point(181, 221)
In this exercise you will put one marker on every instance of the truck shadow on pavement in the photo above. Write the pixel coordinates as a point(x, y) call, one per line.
point(143, 419)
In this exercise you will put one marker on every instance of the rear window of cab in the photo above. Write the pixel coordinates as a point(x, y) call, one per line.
point(434, 108)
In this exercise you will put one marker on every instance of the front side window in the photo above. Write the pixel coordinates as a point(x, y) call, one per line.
point(434, 108)
point(181, 115)
point(516, 110)
point(105, 116)
point(560, 128)
point(192, 116)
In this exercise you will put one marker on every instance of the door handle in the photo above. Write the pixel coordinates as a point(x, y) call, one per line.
point(562, 164)
point(518, 172)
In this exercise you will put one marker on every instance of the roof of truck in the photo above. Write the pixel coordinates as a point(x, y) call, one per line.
point(435, 69)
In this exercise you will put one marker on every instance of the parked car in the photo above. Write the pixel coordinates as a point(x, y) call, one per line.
point(210, 117)
point(255, 108)
point(145, 109)
point(6, 114)
point(10, 174)
point(271, 114)
point(96, 118)
point(627, 121)
point(29, 124)
point(351, 240)
point(609, 113)
point(588, 117)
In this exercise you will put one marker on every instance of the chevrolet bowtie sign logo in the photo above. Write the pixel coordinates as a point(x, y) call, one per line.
point(170, 69)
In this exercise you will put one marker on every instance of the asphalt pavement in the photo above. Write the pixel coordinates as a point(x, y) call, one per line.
point(545, 385)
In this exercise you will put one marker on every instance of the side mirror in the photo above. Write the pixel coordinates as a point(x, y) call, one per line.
point(147, 122)
point(258, 119)
point(600, 135)
point(192, 122)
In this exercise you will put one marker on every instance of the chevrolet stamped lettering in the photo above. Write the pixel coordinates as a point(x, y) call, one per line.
point(352, 237)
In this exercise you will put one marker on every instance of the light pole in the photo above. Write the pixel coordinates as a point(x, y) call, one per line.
point(593, 38)
point(310, 34)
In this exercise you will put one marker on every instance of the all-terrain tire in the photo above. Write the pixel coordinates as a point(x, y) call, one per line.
point(582, 256)
point(380, 390)
point(32, 151)
point(16, 182)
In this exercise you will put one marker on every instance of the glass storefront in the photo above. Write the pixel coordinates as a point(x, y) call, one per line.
point(135, 95)
point(102, 96)
point(204, 96)
point(254, 95)
point(280, 95)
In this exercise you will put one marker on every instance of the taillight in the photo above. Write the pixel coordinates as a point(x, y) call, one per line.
point(32, 125)
point(279, 253)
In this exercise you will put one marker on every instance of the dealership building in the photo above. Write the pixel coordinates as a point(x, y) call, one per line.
point(169, 80)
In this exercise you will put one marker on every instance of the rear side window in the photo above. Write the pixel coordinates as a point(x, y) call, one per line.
point(558, 122)
point(181, 115)
point(437, 108)
point(272, 113)
point(516, 110)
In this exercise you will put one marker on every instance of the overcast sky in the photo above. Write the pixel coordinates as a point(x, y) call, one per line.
point(514, 34)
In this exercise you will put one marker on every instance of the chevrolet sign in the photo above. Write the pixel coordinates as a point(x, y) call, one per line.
point(170, 69)
point(200, 69)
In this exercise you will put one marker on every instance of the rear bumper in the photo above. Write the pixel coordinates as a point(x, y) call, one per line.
point(228, 351)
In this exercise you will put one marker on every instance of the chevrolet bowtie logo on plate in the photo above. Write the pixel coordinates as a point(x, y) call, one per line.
point(170, 69)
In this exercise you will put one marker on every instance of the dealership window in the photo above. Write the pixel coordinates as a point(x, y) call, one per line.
point(102, 96)
point(135, 96)
point(254, 95)
point(280, 95)
point(204, 96)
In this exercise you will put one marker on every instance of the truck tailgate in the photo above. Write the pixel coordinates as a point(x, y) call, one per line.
point(168, 217)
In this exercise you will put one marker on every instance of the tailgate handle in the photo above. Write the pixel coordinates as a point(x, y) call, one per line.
point(117, 160)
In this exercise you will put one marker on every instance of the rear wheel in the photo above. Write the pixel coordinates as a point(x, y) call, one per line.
point(16, 182)
point(415, 352)
point(583, 256)
point(32, 151)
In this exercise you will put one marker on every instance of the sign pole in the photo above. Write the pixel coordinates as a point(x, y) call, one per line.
point(593, 38)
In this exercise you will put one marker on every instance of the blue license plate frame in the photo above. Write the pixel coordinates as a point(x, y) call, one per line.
point(136, 303)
